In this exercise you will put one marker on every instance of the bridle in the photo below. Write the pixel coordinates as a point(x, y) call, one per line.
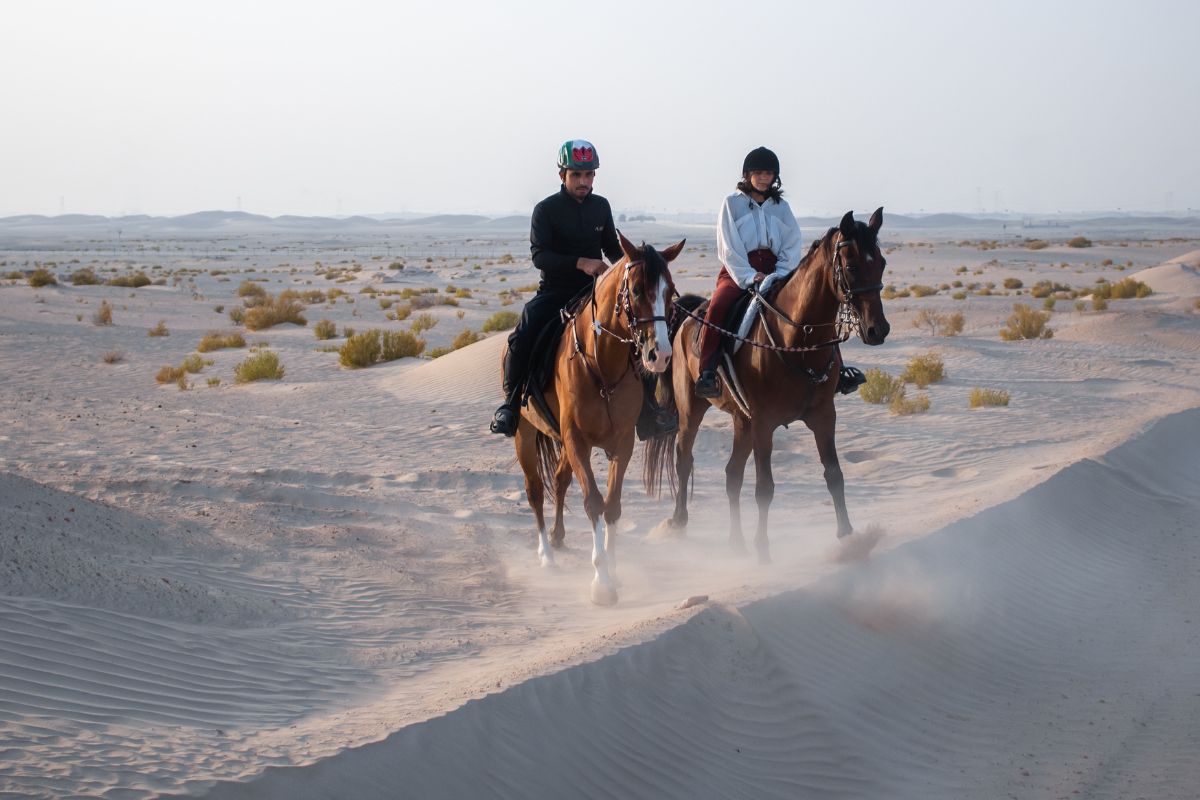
point(848, 319)
point(624, 311)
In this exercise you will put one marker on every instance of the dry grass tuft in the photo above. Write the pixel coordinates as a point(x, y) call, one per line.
point(252, 292)
point(501, 321)
point(981, 398)
point(262, 365)
point(1080, 241)
point(84, 277)
point(940, 324)
point(924, 370)
point(273, 312)
point(423, 322)
point(1037, 244)
point(214, 340)
point(399, 344)
point(325, 329)
point(169, 374)
point(880, 387)
point(466, 337)
point(135, 281)
point(902, 406)
point(113, 357)
point(159, 330)
point(1121, 290)
point(360, 349)
point(42, 277)
point(103, 315)
point(1026, 323)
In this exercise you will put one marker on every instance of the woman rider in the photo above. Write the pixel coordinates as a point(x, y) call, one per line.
point(758, 242)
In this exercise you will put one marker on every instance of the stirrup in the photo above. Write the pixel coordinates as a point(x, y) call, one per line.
point(849, 379)
point(706, 384)
point(505, 421)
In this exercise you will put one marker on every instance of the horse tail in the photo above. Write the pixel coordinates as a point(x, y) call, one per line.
point(548, 452)
point(659, 454)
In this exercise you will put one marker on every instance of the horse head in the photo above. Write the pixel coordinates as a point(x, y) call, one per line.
point(647, 289)
point(858, 274)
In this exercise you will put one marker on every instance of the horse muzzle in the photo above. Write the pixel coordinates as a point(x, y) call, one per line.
point(874, 333)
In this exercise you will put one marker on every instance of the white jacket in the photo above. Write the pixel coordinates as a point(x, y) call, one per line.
point(743, 225)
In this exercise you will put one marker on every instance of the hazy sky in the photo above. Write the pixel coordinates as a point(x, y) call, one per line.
point(348, 107)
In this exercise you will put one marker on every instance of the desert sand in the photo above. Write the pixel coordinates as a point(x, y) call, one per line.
point(326, 585)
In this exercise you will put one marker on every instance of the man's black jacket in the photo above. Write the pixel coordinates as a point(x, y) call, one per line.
point(562, 230)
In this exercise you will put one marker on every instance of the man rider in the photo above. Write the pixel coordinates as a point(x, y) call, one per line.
point(569, 232)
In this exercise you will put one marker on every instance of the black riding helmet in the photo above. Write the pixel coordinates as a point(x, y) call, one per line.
point(760, 158)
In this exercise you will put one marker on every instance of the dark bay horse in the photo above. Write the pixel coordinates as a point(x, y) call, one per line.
point(595, 393)
point(787, 370)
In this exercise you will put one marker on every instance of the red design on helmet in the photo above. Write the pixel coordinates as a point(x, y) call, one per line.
point(582, 153)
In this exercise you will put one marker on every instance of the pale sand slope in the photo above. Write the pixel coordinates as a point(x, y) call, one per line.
point(202, 584)
point(1047, 647)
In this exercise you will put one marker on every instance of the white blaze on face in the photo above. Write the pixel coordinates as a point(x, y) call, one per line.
point(662, 343)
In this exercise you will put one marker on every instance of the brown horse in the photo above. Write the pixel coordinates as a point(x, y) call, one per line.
point(595, 393)
point(786, 370)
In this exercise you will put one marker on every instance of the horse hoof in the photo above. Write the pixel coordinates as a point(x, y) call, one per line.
point(667, 529)
point(547, 561)
point(603, 594)
point(842, 534)
point(737, 546)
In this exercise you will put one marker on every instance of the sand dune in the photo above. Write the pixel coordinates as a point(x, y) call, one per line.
point(336, 570)
point(1047, 647)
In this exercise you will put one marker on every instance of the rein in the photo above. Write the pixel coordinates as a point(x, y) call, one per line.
point(623, 310)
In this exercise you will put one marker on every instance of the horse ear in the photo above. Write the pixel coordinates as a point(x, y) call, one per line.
point(876, 220)
point(674, 250)
point(631, 252)
point(847, 225)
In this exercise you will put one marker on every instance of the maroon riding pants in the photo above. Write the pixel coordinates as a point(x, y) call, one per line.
point(723, 298)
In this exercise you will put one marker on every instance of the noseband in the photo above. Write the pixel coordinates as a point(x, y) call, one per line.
point(623, 310)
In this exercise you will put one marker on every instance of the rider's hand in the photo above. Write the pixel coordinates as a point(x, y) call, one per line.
point(590, 266)
point(758, 277)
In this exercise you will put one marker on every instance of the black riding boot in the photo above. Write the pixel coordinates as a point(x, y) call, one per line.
point(654, 420)
point(706, 384)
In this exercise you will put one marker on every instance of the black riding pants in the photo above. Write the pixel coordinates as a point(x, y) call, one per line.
point(541, 309)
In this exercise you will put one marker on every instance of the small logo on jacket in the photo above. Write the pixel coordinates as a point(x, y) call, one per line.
point(599, 227)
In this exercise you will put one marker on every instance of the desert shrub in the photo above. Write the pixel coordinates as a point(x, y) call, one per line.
point(1026, 323)
point(103, 315)
point(325, 329)
point(924, 370)
point(1099, 304)
point(1037, 244)
point(274, 312)
point(396, 265)
point(159, 330)
point(237, 315)
point(385, 303)
point(250, 289)
point(84, 277)
point(448, 301)
point(501, 321)
point(42, 277)
point(135, 281)
point(220, 309)
point(213, 382)
point(903, 406)
point(399, 344)
point(401, 312)
point(988, 397)
point(1048, 303)
point(880, 387)
point(1080, 305)
point(1013, 283)
point(263, 364)
point(959, 296)
point(1128, 287)
point(423, 322)
point(463, 292)
point(465, 338)
point(1080, 241)
point(169, 374)
point(921, 290)
point(438, 352)
point(939, 324)
point(360, 349)
point(214, 340)
point(113, 357)
point(192, 363)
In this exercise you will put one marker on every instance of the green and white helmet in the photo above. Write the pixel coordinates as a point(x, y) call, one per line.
point(578, 154)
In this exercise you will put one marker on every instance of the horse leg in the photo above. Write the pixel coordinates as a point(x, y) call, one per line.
point(735, 472)
point(526, 445)
point(578, 453)
point(562, 482)
point(612, 501)
point(764, 486)
point(691, 414)
point(822, 423)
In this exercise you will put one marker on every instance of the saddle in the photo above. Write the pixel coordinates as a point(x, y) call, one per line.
point(542, 357)
point(746, 309)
